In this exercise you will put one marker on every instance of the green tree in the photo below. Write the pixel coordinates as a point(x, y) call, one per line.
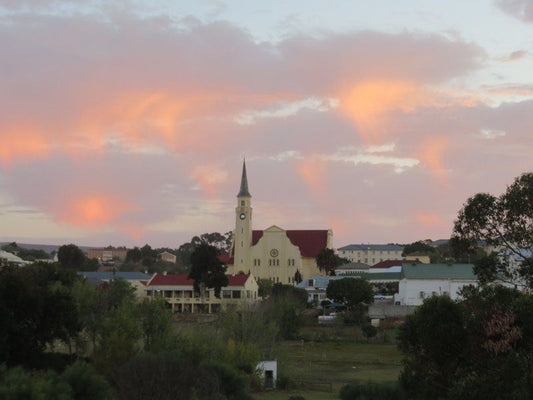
point(156, 325)
point(350, 291)
point(327, 261)
point(207, 271)
point(36, 309)
point(418, 247)
point(504, 223)
point(70, 256)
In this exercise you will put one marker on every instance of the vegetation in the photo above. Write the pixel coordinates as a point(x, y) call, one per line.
point(207, 271)
point(327, 261)
point(26, 254)
point(350, 291)
point(506, 224)
point(478, 348)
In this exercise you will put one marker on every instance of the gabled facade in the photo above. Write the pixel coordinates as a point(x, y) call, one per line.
point(178, 292)
point(274, 253)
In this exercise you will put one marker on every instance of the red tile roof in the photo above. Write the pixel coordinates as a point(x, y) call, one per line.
point(393, 263)
point(183, 280)
point(310, 242)
point(226, 258)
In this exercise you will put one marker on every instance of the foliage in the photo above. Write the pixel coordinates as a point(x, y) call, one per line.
point(327, 261)
point(145, 256)
point(297, 276)
point(386, 288)
point(70, 256)
point(207, 271)
point(264, 287)
point(172, 376)
point(220, 241)
point(369, 330)
point(156, 325)
point(78, 381)
point(418, 247)
point(477, 348)
point(36, 308)
point(285, 308)
point(372, 391)
point(350, 291)
point(506, 224)
point(26, 254)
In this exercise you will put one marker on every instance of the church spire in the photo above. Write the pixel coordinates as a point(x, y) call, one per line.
point(244, 182)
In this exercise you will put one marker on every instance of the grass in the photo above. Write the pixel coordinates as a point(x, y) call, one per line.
point(317, 365)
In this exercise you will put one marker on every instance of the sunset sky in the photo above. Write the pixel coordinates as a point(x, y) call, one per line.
point(126, 122)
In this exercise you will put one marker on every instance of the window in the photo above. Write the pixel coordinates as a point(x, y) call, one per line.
point(242, 203)
point(236, 294)
point(310, 283)
point(226, 294)
point(422, 295)
point(277, 262)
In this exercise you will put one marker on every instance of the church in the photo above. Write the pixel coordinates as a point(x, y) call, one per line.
point(274, 253)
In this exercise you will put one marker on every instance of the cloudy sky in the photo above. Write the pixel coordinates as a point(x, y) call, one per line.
point(126, 122)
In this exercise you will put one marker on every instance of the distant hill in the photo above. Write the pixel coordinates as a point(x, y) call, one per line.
point(49, 248)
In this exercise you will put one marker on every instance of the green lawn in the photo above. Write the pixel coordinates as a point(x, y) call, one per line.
point(318, 366)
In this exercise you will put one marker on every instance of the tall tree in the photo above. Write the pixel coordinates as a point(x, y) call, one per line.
point(207, 271)
point(327, 261)
point(350, 291)
point(504, 223)
point(70, 256)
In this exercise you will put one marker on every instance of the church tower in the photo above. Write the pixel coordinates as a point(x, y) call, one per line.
point(242, 237)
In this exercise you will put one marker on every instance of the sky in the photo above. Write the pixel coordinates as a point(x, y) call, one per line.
point(127, 122)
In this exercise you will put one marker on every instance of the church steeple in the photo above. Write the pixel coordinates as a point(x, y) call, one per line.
point(244, 182)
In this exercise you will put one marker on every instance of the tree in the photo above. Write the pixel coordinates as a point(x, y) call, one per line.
point(36, 309)
point(350, 291)
point(418, 247)
point(70, 256)
point(477, 348)
point(207, 271)
point(222, 242)
point(504, 223)
point(327, 261)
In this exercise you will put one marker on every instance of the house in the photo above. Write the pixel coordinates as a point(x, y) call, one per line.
point(274, 253)
point(352, 268)
point(420, 281)
point(178, 291)
point(7, 258)
point(108, 254)
point(370, 253)
point(136, 279)
point(168, 257)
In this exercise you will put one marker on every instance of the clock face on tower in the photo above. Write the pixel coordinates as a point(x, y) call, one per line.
point(242, 216)
point(274, 253)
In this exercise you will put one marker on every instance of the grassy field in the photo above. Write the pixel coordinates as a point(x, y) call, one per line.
point(315, 368)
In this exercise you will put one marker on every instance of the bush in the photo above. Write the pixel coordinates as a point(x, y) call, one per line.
point(369, 330)
point(372, 391)
point(297, 397)
point(284, 382)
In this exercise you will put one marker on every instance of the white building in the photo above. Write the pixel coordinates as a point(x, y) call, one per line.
point(420, 281)
point(371, 253)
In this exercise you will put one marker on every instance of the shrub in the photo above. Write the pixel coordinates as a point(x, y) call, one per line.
point(369, 330)
point(371, 391)
point(284, 382)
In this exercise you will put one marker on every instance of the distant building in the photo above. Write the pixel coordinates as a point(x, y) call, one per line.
point(7, 258)
point(106, 255)
point(273, 253)
point(352, 268)
point(316, 286)
point(370, 253)
point(178, 291)
point(420, 281)
point(136, 279)
point(168, 257)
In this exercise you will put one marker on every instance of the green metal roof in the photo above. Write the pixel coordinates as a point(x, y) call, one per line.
point(380, 276)
point(439, 271)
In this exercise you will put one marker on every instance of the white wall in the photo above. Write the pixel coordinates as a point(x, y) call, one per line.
point(409, 290)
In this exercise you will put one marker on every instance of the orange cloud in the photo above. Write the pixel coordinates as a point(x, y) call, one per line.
point(209, 178)
point(429, 219)
point(431, 155)
point(369, 103)
point(86, 211)
point(313, 172)
point(22, 142)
